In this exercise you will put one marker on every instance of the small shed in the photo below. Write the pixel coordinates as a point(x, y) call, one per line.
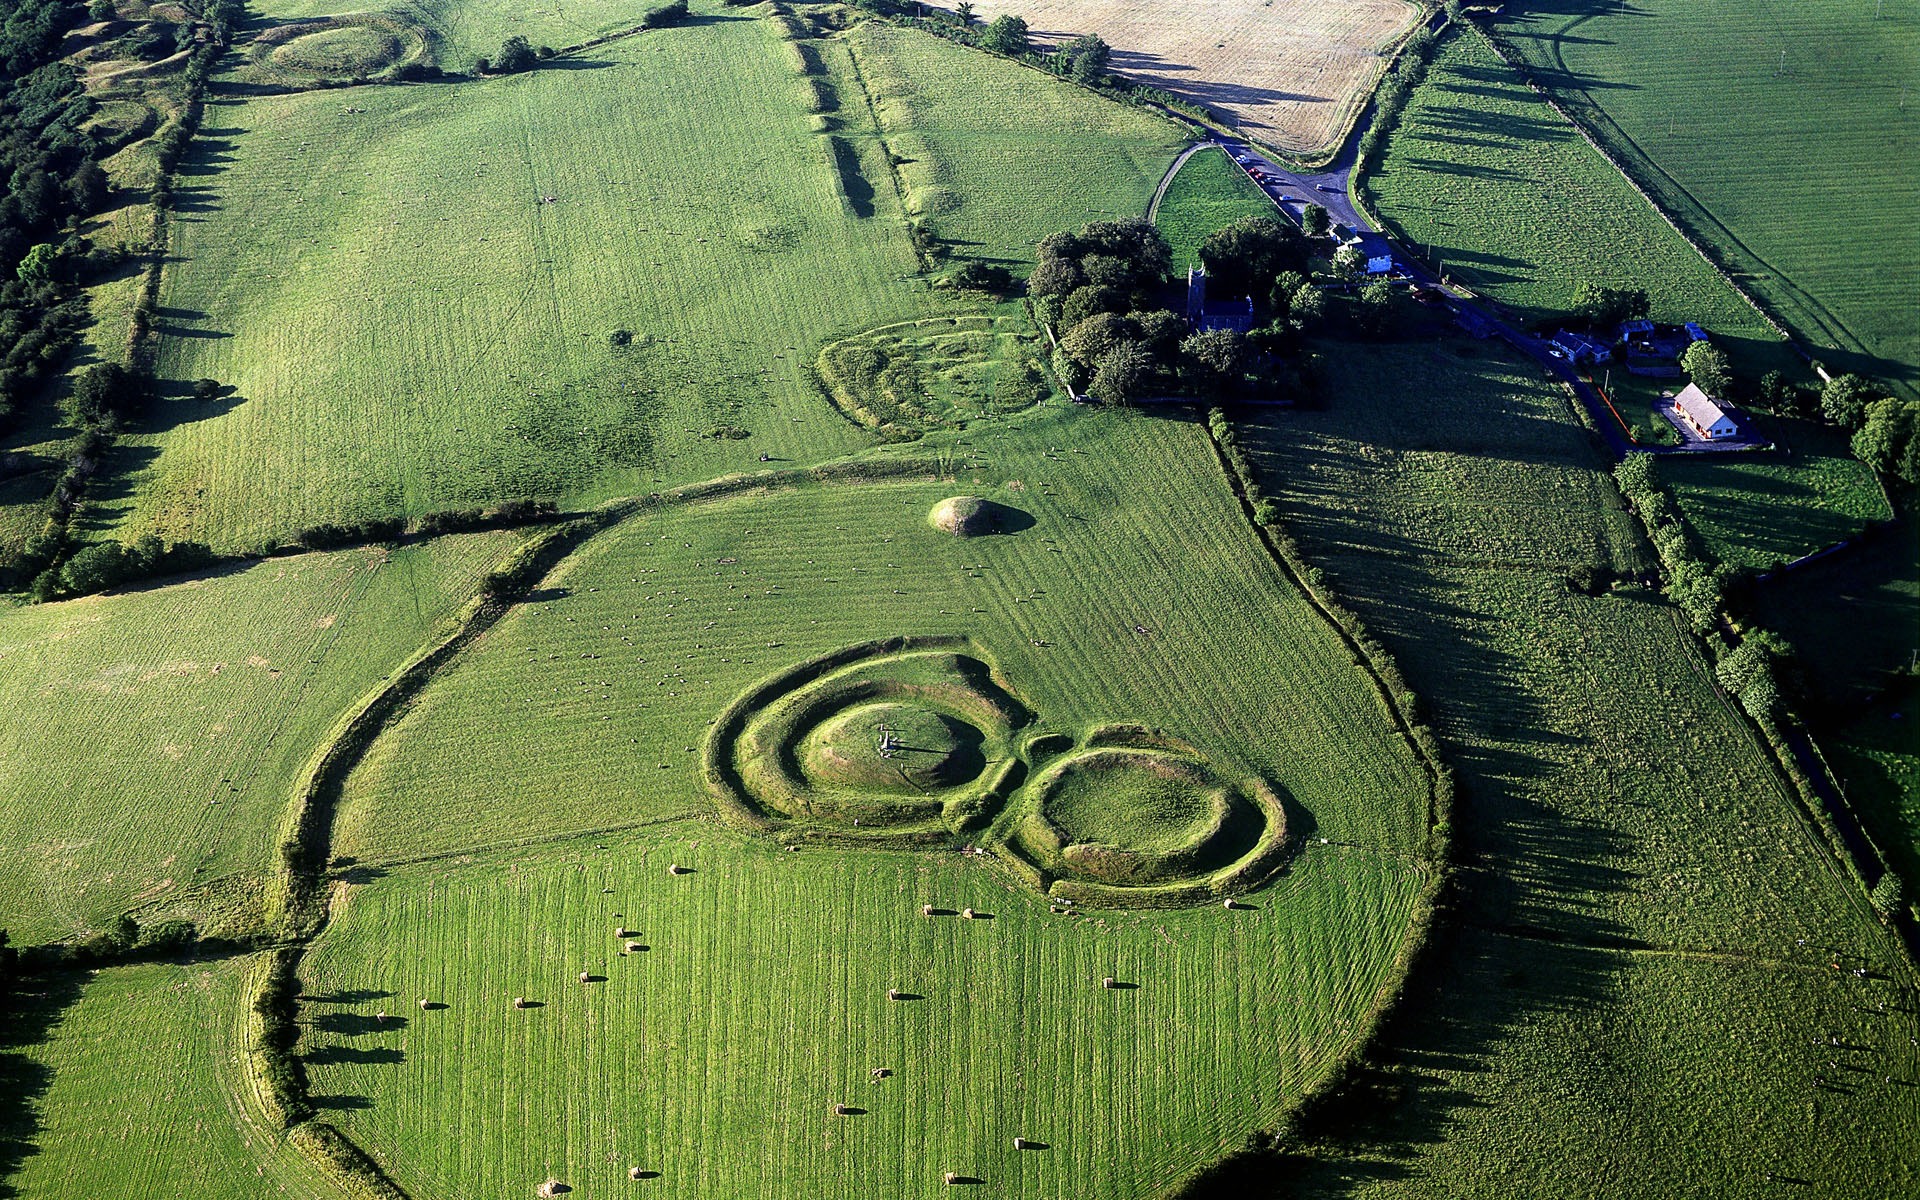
point(1380, 264)
point(1704, 414)
point(1695, 332)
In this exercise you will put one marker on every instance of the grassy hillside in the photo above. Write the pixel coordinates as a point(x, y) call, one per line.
point(127, 1082)
point(1782, 135)
point(1647, 929)
point(156, 734)
point(461, 30)
point(1208, 193)
point(1509, 199)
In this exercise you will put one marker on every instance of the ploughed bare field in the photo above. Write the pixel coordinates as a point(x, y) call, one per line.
point(1289, 72)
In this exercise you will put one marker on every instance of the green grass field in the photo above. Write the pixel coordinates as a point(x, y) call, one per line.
point(1753, 510)
point(1628, 992)
point(1209, 192)
point(1781, 135)
point(610, 681)
point(168, 724)
point(1854, 618)
point(129, 1083)
point(1504, 194)
point(375, 379)
point(1876, 753)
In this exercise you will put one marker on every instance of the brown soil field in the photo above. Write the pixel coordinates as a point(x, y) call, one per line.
point(1288, 72)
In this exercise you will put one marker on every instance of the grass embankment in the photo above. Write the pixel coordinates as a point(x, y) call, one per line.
point(609, 678)
point(126, 1082)
point(996, 156)
point(1505, 196)
point(1782, 137)
point(1209, 192)
point(168, 724)
point(1643, 913)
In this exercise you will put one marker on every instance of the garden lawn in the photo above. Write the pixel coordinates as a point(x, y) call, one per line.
point(154, 735)
point(1209, 192)
point(1783, 136)
point(1647, 926)
point(1500, 192)
point(129, 1082)
point(1758, 509)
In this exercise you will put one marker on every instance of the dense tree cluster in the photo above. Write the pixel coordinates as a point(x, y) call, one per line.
point(1604, 307)
point(1888, 439)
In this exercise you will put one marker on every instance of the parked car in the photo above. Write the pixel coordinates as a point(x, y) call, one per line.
point(1322, 187)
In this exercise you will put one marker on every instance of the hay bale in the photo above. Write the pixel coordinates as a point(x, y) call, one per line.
point(926, 910)
point(840, 1110)
point(1019, 1143)
point(624, 932)
point(585, 977)
point(634, 947)
point(967, 913)
point(519, 1001)
point(893, 993)
point(633, 1172)
point(1227, 903)
point(423, 1004)
point(881, 1072)
point(952, 1177)
point(1108, 982)
point(675, 869)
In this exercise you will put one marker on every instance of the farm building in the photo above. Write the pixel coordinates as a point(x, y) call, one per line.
point(1703, 414)
point(1579, 348)
point(1655, 350)
point(1204, 314)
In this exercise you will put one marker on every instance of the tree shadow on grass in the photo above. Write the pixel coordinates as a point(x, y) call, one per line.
point(28, 1017)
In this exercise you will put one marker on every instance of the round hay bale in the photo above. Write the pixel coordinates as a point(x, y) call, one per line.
point(967, 913)
point(633, 1172)
point(952, 1178)
point(674, 868)
point(893, 993)
point(1227, 903)
point(519, 1001)
point(926, 910)
point(968, 516)
point(839, 1110)
point(423, 1004)
point(624, 932)
point(1108, 982)
point(635, 947)
point(1019, 1143)
point(585, 977)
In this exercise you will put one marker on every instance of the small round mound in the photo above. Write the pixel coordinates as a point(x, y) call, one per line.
point(340, 51)
point(966, 516)
point(892, 749)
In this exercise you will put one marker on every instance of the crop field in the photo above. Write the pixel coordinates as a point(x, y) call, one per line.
point(1753, 510)
point(1505, 196)
point(168, 724)
point(1645, 913)
point(128, 1083)
point(1209, 192)
point(982, 145)
point(1781, 135)
point(1290, 75)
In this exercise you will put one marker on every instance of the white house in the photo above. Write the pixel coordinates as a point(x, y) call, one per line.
point(1704, 414)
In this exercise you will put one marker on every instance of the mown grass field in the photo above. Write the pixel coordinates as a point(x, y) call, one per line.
point(716, 1056)
point(1854, 618)
point(128, 1082)
point(157, 733)
point(1753, 510)
point(461, 30)
point(1783, 136)
point(1505, 196)
point(1290, 75)
point(610, 678)
point(1648, 927)
point(1209, 192)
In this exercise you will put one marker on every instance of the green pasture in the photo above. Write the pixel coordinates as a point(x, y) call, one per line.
point(155, 734)
point(439, 296)
point(901, 380)
point(1783, 136)
point(1491, 185)
point(461, 30)
point(612, 674)
point(1209, 192)
point(1876, 752)
point(1646, 913)
point(1754, 510)
point(995, 156)
point(715, 1057)
point(128, 1082)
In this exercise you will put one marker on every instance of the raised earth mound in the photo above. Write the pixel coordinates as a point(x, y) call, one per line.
point(971, 516)
point(906, 739)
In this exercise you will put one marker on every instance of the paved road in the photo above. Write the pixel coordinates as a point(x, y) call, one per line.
point(1293, 191)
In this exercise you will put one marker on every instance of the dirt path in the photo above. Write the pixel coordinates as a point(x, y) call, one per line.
point(1153, 207)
